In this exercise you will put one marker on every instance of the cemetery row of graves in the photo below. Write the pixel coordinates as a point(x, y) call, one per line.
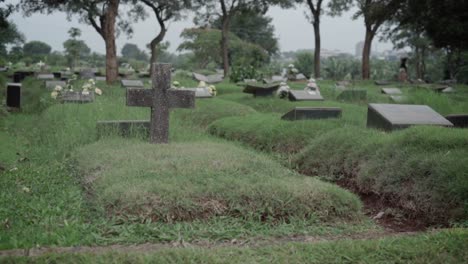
point(266, 168)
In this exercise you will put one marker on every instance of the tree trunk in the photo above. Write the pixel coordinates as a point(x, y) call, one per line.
point(225, 45)
point(318, 47)
point(112, 69)
point(366, 54)
point(154, 47)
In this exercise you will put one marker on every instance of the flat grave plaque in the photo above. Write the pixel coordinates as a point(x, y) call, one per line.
point(45, 76)
point(57, 75)
point(297, 95)
point(13, 96)
point(261, 90)
point(460, 121)
point(391, 91)
point(132, 84)
point(394, 116)
point(101, 78)
point(304, 113)
point(88, 74)
point(398, 98)
point(77, 97)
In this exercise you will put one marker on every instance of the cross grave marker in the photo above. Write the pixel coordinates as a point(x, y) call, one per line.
point(160, 98)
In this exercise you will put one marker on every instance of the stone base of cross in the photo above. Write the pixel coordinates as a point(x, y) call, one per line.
point(160, 98)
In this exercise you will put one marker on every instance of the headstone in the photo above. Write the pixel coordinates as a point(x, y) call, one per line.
point(161, 98)
point(261, 90)
point(77, 97)
point(460, 121)
point(132, 84)
point(295, 95)
point(216, 78)
point(124, 128)
point(88, 74)
point(19, 76)
point(45, 76)
point(275, 79)
point(353, 95)
point(302, 113)
point(301, 77)
point(199, 92)
point(52, 84)
point(391, 91)
point(13, 96)
point(393, 116)
point(382, 83)
point(3, 69)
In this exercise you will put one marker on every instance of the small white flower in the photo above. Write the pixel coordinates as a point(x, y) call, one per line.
point(58, 88)
point(54, 94)
point(98, 91)
point(202, 84)
point(291, 66)
point(26, 189)
point(212, 90)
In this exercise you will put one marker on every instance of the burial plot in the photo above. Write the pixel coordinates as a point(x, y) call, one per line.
point(353, 95)
point(275, 79)
point(460, 121)
point(132, 84)
point(57, 75)
point(13, 96)
point(124, 128)
point(52, 84)
point(449, 90)
point(45, 76)
point(77, 97)
point(161, 98)
point(261, 90)
point(391, 91)
point(295, 95)
point(303, 113)
point(393, 116)
point(201, 93)
point(398, 99)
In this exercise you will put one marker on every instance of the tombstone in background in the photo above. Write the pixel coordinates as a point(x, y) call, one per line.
point(161, 98)
point(300, 77)
point(459, 121)
point(352, 95)
point(304, 113)
point(45, 76)
point(211, 79)
point(19, 76)
point(261, 90)
point(3, 69)
point(297, 95)
point(202, 93)
point(275, 79)
point(449, 90)
point(87, 74)
point(132, 84)
point(52, 84)
point(124, 128)
point(391, 91)
point(13, 96)
point(57, 75)
point(390, 117)
point(77, 97)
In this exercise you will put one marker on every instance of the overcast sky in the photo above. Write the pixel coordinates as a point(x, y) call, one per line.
point(292, 29)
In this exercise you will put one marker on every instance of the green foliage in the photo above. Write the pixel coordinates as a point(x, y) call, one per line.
point(337, 68)
point(36, 48)
point(9, 35)
point(240, 73)
point(131, 51)
point(305, 63)
point(75, 49)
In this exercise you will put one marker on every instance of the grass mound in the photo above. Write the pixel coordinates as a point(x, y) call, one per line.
point(189, 181)
point(422, 170)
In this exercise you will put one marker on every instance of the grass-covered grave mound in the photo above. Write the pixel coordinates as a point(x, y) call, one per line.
point(193, 181)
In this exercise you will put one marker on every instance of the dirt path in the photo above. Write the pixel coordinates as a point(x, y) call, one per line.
point(151, 248)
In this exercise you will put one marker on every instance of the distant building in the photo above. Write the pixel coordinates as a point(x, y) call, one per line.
point(359, 49)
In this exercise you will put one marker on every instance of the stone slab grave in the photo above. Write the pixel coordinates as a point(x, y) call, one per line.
point(303, 113)
point(352, 95)
point(261, 90)
point(88, 74)
point(201, 93)
point(460, 121)
point(13, 96)
point(19, 76)
point(212, 79)
point(77, 97)
point(297, 95)
point(160, 99)
point(300, 77)
point(132, 84)
point(398, 99)
point(390, 117)
point(52, 84)
point(449, 90)
point(275, 79)
point(45, 76)
point(391, 91)
point(382, 83)
point(124, 128)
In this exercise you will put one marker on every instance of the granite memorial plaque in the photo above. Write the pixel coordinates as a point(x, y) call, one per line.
point(132, 84)
point(160, 99)
point(45, 76)
point(13, 96)
point(88, 74)
point(101, 78)
point(261, 90)
point(393, 116)
point(77, 97)
point(201, 93)
point(212, 79)
point(303, 113)
point(297, 95)
point(460, 121)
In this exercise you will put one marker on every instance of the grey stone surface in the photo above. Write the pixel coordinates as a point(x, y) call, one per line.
point(449, 90)
point(45, 76)
point(391, 91)
point(161, 98)
point(398, 98)
point(77, 97)
point(51, 84)
point(303, 113)
point(275, 79)
point(124, 128)
point(297, 95)
point(393, 116)
point(132, 84)
point(301, 77)
point(261, 90)
point(13, 95)
point(101, 78)
point(3, 69)
point(216, 78)
point(353, 95)
point(88, 73)
point(199, 92)
point(460, 121)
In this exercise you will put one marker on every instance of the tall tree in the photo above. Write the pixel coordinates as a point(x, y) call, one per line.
point(225, 10)
point(100, 14)
point(9, 33)
point(36, 48)
point(75, 48)
point(165, 11)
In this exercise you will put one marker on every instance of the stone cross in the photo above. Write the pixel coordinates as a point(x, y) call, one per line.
point(161, 98)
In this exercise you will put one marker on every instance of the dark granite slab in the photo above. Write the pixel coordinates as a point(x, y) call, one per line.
point(460, 120)
point(261, 90)
point(393, 116)
point(13, 95)
point(303, 113)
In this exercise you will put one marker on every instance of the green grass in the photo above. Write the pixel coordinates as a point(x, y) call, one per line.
point(450, 246)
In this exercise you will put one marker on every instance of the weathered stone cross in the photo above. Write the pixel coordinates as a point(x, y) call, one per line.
point(160, 99)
